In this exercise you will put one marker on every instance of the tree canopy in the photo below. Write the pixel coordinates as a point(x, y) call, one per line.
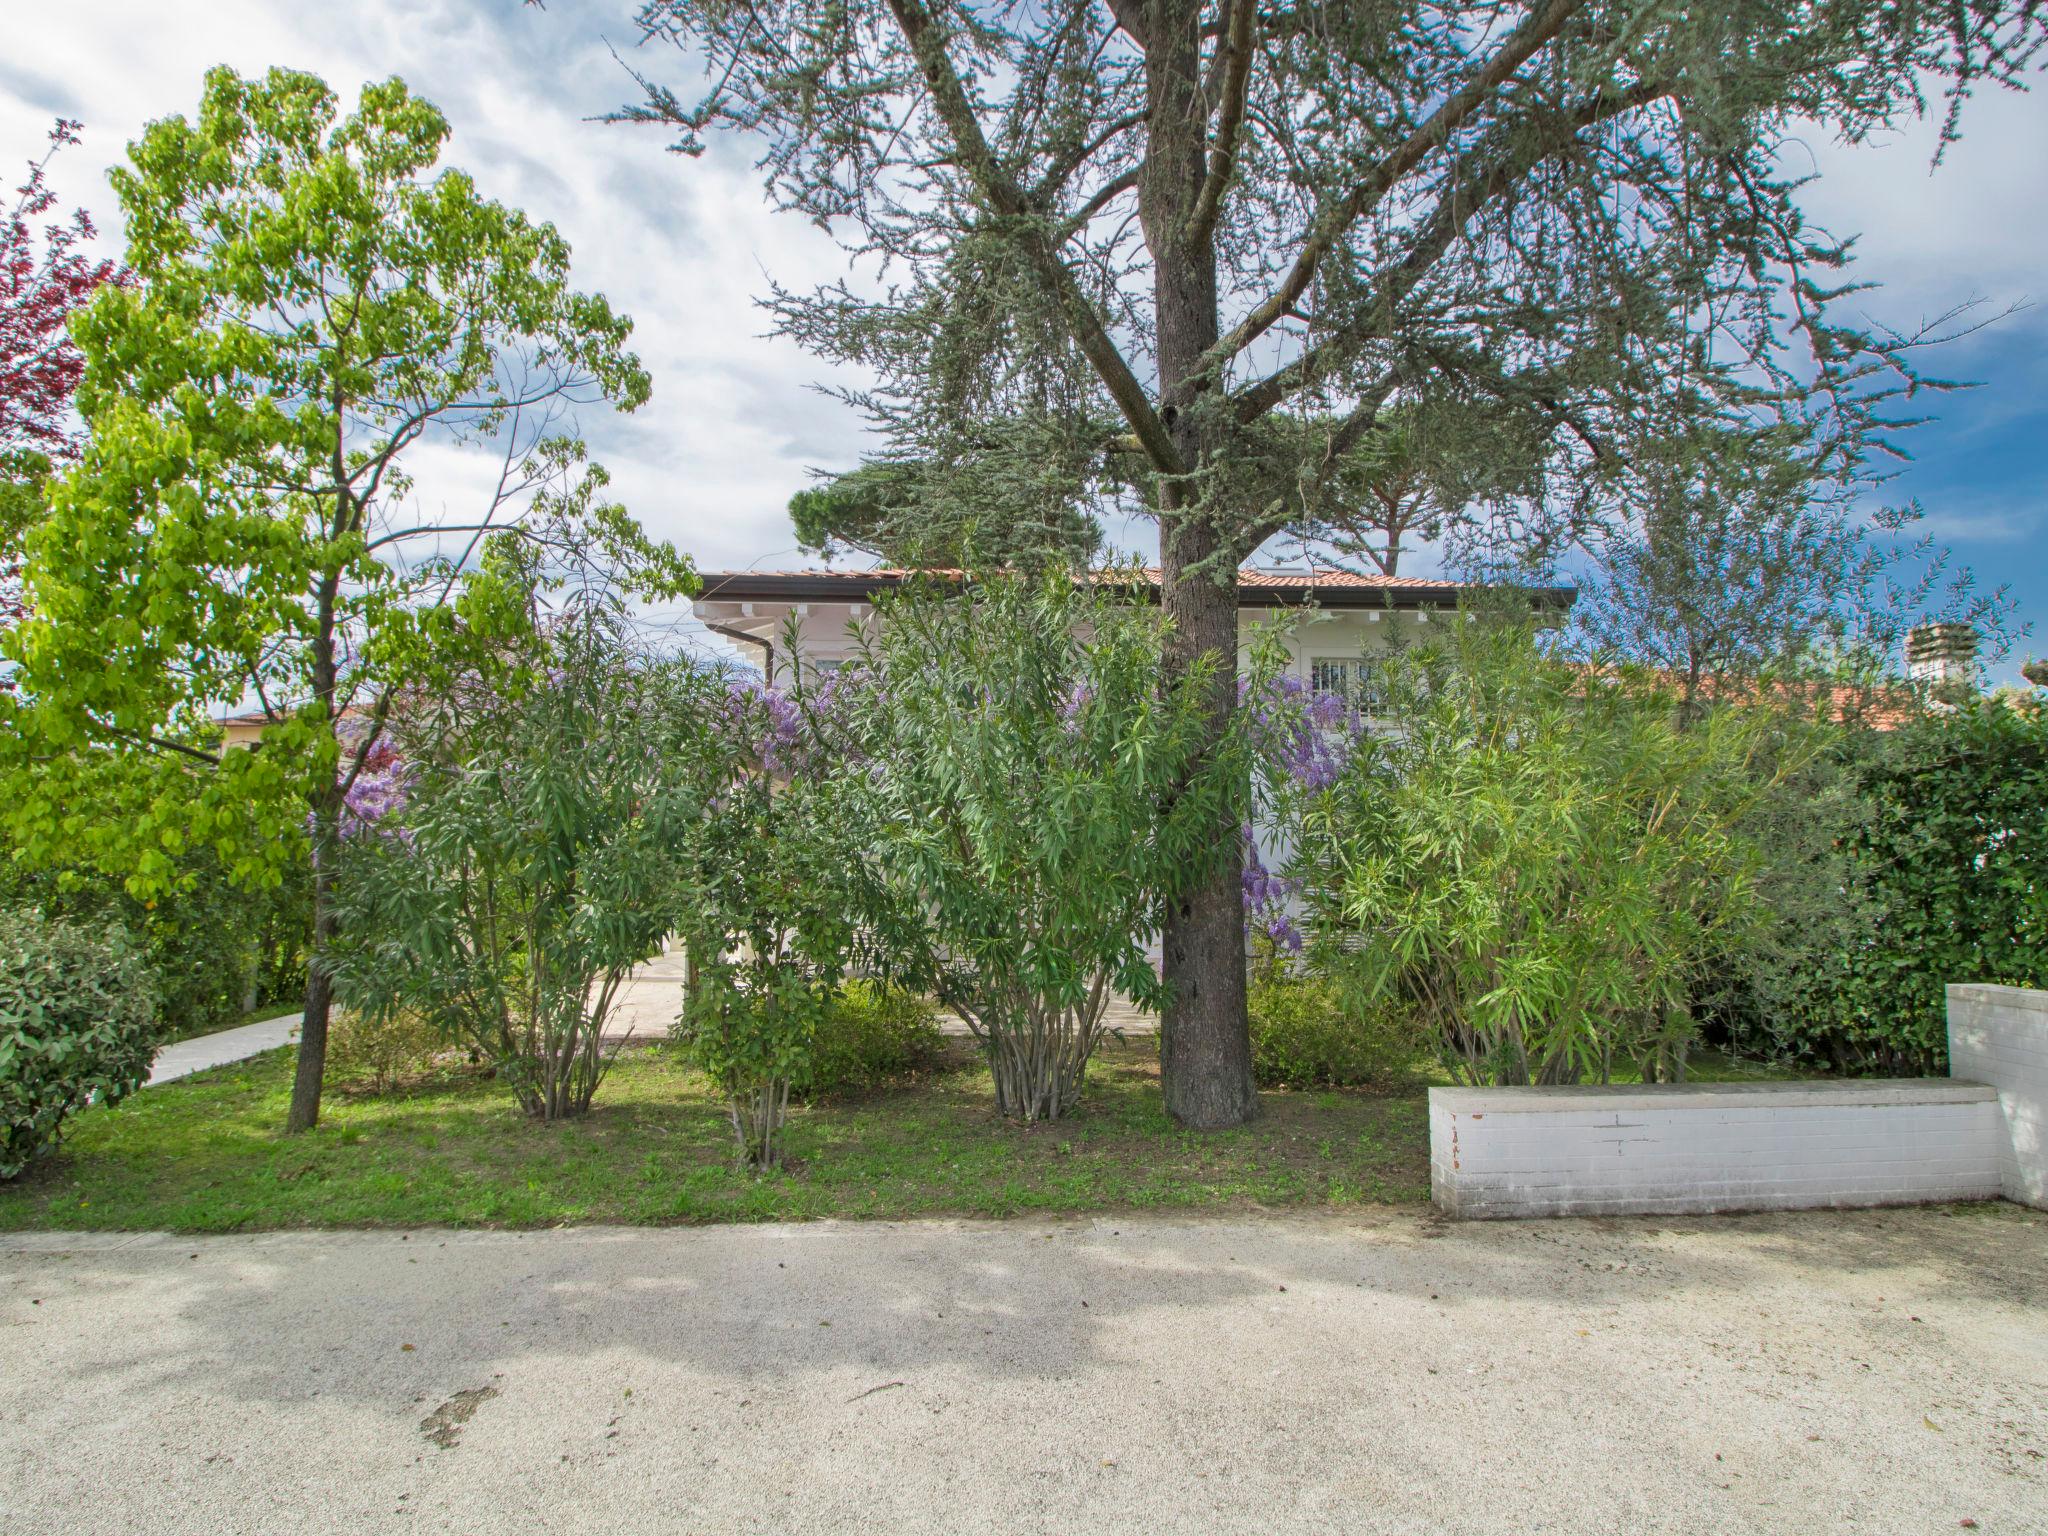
point(314, 299)
point(1236, 245)
point(898, 511)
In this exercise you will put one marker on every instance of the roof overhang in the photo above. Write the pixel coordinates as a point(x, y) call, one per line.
point(1290, 592)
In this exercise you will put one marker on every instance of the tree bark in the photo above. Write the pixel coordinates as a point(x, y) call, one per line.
point(311, 1070)
point(1205, 1047)
point(1205, 1038)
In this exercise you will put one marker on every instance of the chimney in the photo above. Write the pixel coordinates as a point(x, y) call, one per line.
point(1943, 656)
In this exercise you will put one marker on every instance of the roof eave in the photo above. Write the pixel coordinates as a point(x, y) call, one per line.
point(857, 587)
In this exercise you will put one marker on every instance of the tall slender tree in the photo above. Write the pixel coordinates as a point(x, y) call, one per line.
point(313, 302)
point(1251, 235)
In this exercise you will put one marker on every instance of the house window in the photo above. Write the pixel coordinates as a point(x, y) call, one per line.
point(1356, 679)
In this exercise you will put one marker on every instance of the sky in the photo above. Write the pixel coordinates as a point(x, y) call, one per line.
point(686, 246)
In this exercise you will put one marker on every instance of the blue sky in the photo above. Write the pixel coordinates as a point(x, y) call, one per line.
point(684, 246)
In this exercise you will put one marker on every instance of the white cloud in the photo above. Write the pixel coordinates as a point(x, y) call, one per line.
point(1973, 227)
point(680, 245)
point(684, 245)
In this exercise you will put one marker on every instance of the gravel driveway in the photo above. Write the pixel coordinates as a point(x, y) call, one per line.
point(1879, 1372)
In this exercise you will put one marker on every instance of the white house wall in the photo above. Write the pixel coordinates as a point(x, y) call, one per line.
point(823, 634)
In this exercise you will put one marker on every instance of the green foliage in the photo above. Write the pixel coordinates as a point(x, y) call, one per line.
point(211, 950)
point(77, 1026)
point(911, 515)
point(1912, 859)
point(871, 1032)
point(775, 909)
point(313, 299)
point(1217, 246)
point(1539, 860)
point(537, 861)
point(1038, 796)
point(383, 1049)
point(1307, 1034)
point(1208, 263)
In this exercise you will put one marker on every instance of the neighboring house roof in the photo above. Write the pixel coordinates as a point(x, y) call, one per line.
point(284, 712)
point(1255, 588)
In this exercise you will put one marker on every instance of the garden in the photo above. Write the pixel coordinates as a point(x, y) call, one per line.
point(485, 789)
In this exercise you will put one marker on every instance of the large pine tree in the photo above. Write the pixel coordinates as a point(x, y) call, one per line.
point(1205, 253)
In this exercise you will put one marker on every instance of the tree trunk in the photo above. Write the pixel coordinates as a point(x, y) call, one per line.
point(1205, 1051)
point(312, 1063)
point(326, 829)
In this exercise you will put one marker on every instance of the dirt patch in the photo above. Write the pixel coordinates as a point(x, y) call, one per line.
point(444, 1425)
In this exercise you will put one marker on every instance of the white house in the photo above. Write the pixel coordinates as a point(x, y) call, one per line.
point(1343, 622)
point(1349, 619)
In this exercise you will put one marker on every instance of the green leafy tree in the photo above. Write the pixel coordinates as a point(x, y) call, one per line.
point(1234, 244)
point(313, 301)
point(1025, 783)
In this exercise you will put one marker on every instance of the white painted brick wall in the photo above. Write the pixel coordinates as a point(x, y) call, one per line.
point(1711, 1147)
point(1999, 1035)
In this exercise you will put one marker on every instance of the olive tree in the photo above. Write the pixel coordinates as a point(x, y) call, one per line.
point(1198, 256)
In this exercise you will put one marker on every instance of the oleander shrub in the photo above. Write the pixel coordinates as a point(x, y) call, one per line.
point(536, 859)
point(1039, 799)
point(1305, 1034)
point(77, 1026)
point(871, 1032)
point(1540, 864)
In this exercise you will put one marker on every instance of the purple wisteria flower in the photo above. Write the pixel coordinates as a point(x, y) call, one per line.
point(793, 734)
point(1266, 896)
point(1072, 702)
point(768, 720)
point(379, 792)
point(1310, 733)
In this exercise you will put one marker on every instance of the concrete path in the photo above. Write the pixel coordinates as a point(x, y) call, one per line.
point(185, 1057)
point(1873, 1372)
point(651, 1000)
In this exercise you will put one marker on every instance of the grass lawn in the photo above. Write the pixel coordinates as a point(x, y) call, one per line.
point(205, 1154)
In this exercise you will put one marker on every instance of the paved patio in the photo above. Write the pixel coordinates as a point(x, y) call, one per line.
point(651, 999)
point(1879, 1371)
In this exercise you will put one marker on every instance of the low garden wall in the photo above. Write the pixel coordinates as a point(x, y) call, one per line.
point(1616, 1151)
point(1629, 1151)
point(1999, 1035)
